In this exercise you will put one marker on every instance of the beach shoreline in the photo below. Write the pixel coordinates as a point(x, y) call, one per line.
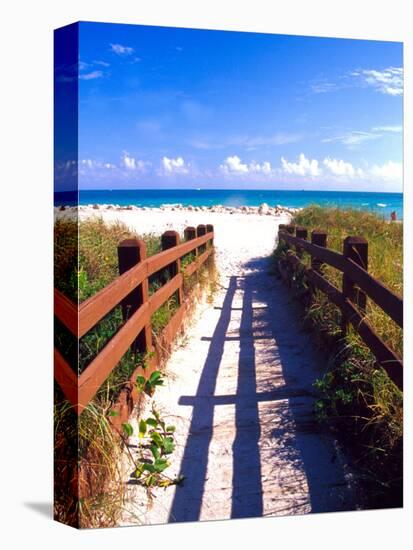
point(263, 209)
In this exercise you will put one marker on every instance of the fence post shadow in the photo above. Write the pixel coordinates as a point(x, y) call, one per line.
point(246, 477)
point(195, 459)
point(316, 475)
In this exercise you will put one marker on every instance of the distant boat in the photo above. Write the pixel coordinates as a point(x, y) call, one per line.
point(197, 189)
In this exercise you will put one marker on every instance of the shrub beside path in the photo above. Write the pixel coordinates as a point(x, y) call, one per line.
point(239, 391)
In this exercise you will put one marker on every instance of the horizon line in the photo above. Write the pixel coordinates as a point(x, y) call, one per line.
point(232, 189)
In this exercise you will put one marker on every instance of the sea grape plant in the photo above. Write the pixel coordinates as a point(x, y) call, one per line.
point(148, 385)
point(156, 444)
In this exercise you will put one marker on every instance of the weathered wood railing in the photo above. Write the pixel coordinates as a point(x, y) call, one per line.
point(131, 291)
point(357, 285)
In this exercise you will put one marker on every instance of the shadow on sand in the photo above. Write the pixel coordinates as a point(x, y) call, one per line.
point(313, 476)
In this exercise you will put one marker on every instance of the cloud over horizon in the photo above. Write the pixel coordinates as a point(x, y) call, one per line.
point(233, 165)
point(174, 166)
point(304, 166)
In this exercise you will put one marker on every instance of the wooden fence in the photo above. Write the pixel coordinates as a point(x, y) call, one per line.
point(131, 291)
point(357, 285)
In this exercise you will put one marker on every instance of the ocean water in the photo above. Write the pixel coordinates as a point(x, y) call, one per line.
point(381, 203)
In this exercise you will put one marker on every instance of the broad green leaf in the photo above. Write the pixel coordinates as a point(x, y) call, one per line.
point(168, 445)
point(155, 451)
point(113, 413)
point(170, 429)
point(151, 422)
point(155, 376)
point(148, 467)
point(127, 429)
point(140, 380)
point(157, 439)
point(161, 464)
point(142, 428)
point(139, 471)
point(151, 480)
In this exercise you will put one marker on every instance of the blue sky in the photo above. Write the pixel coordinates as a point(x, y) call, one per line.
point(180, 108)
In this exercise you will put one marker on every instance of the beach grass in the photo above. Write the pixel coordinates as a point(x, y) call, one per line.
point(357, 398)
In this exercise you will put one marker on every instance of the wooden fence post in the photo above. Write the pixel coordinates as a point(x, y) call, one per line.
point(189, 233)
point(320, 239)
point(210, 229)
point(130, 253)
point(169, 239)
point(300, 233)
point(355, 249)
point(290, 229)
point(200, 232)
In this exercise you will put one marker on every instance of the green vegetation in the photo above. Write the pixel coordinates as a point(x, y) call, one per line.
point(156, 443)
point(357, 399)
point(148, 385)
point(88, 444)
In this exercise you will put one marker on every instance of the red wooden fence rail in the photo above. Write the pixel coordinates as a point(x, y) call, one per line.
point(130, 290)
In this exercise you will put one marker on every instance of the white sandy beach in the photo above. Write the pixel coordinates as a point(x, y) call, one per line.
point(239, 237)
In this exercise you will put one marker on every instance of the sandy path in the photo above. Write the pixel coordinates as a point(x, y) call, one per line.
point(239, 390)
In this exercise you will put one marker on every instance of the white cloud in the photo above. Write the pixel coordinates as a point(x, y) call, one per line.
point(89, 163)
point(95, 164)
point(174, 166)
point(233, 165)
point(396, 129)
point(91, 76)
point(130, 163)
point(121, 50)
point(355, 138)
point(342, 168)
point(390, 171)
point(341, 171)
point(352, 139)
point(386, 81)
point(264, 168)
point(304, 167)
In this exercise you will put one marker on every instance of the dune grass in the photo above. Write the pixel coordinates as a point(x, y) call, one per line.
point(357, 398)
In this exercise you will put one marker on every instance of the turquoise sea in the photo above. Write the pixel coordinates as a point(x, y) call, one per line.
point(381, 203)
